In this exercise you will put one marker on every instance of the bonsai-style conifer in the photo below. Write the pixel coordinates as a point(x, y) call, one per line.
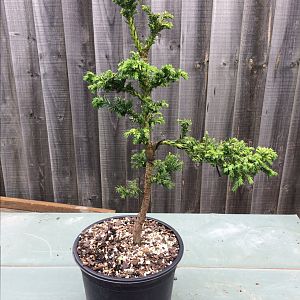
point(138, 78)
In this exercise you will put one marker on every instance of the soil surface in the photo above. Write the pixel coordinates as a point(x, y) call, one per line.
point(108, 248)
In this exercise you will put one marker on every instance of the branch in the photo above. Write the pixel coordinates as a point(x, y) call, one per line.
point(134, 35)
point(120, 106)
point(237, 160)
point(131, 189)
point(158, 144)
point(156, 22)
point(163, 170)
point(132, 91)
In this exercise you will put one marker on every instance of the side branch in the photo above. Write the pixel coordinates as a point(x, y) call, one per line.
point(134, 35)
point(234, 158)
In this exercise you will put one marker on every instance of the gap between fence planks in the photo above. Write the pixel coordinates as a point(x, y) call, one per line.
point(43, 206)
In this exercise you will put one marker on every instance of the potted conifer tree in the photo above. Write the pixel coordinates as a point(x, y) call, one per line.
point(135, 257)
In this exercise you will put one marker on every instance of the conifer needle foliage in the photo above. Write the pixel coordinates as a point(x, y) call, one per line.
point(137, 78)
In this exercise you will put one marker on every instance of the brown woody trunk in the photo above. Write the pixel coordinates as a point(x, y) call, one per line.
point(150, 155)
point(147, 196)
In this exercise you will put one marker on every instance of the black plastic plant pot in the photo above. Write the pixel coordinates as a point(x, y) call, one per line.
point(152, 287)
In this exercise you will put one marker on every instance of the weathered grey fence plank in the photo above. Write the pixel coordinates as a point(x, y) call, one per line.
point(108, 52)
point(12, 155)
point(290, 183)
point(279, 98)
point(195, 41)
point(79, 40)
point(2, 185)
point(167, 51)
point(252, 72)
point(26, 71)
point(223, 65)
point(51, 48)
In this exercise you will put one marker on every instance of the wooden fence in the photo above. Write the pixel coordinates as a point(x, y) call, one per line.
point(243, 59)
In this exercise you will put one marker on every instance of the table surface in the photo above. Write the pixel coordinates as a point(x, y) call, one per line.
point(226, 256)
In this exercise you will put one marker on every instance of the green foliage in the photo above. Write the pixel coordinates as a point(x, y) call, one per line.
point(138, 160)
point(134, 68)
point(107, 81)
point(130, 190)
point(166, 75)
point(128, 7)
point(151, 111)
point(148, 77)
point(139, 135)
point(185, 125)
point(237, 160)
point(137, 78)
point(163, 169)
point(120, 106)
point(157, 22)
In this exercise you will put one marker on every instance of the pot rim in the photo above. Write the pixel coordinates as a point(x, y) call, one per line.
point(147, 278)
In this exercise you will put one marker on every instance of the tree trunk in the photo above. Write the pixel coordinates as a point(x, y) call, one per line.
point(145, 204)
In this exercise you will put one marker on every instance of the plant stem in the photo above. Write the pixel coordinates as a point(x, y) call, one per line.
point(150, 155)
point(137, 231)
point(134, 34)
point(150, 147)
point(138, 226)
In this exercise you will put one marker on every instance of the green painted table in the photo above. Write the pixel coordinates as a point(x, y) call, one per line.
point(226, 256)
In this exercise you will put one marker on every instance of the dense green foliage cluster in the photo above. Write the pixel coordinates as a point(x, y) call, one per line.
point(134, 68)
point(137, 78)
point(163, 169)
point(234, 158)
point(156, 23)
point(130, 190)
point(148, 77)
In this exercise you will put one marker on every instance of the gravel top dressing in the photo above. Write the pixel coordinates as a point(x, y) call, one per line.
point(108, 248)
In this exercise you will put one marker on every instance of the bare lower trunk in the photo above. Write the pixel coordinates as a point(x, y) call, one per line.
point(146, 200)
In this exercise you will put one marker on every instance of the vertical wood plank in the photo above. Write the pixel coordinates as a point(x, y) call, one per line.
point(167, 51)
point(2, 186)
point(195, 40)
point(289, 195)
point(279, 98)
point(26, 70)
point(252, 73)
point(108, 52)
point(13, 162)
point(52, 55)
point(79, 40)
point(223, 64)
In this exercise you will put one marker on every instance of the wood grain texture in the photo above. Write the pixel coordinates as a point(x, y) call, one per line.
point(223, 66)
point(167, 51)
point(278, 100)
point(195, 43)
point(2, 185)
point(44, 206)
point(79, 40)
point(249, 96)
point(289, 199)
point(13, 162)
point(108, 52)
point(52, 56)
point(25, 64)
